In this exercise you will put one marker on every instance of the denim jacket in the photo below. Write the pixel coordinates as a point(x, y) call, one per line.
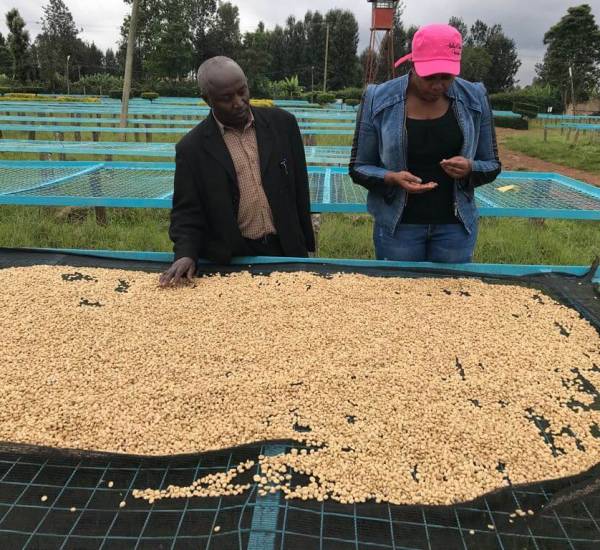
point(380, 146)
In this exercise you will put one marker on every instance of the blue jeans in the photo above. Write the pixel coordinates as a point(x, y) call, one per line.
point(444, 243)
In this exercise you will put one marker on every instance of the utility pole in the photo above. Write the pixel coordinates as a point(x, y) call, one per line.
point(129, 64)
point(572, 88)
point(326, 59)
point(67, 75)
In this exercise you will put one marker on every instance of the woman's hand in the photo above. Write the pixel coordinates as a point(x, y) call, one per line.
point(457, 167)
point(409, 182)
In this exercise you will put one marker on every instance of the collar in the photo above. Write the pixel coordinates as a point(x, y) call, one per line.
point(222, 127)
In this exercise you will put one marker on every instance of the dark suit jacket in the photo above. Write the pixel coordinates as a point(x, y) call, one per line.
point(206, 198)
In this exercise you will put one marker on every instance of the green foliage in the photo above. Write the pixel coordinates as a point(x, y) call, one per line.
point(151, 96)
point(540, 96)
point(170, 87)
point(99, 83)
point(489, 56)
point(349, 93)
point(27, 90)
point(57, 41)
point(574, 42)
point(510, 122)
point(343, 67)
point(6, 60)
point(18, 45)
point(115, 94)
point(291, 87)
point(352, 102)
point(475, 64)
point(526, 110)
point(325, 97)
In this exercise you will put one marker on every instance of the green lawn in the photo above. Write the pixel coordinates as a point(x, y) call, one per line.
point(342, 236)
point(584, 155)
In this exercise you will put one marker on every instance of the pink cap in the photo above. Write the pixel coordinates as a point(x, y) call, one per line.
point(436, 49)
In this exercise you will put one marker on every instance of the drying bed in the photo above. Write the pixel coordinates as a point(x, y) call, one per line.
point(485, 522)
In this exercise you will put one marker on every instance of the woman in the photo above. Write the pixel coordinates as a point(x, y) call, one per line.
point(423, 142)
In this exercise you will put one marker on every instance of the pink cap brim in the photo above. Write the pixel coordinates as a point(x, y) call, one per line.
point(437, 66)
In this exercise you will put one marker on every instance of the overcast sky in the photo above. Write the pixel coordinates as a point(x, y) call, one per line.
point(525, 21)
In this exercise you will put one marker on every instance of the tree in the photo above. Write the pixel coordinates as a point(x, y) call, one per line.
point(295, 47)
point(173, 52)
point(504, 59)
point(343, 67)
point(255, 59)
point(58, 40)
point(475, 64)
point(460, 26)
point(110, 63)
point(18, 45)
point(90, 59)
point(223, 36)
point(500, 50)
point(314, 30)
point(6, 60)
point(276, 49)
point(573, 42)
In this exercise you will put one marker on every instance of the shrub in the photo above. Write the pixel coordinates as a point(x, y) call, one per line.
point(149, 95)
point(352, 102)
point(115, 94)
point(511, 122)
point(526, 110)
point(349, 93)
point(325, 97)
point(28, 90)
point(537, 98)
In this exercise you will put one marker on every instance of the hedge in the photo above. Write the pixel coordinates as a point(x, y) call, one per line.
point(149, 95)
point(511, 122)
point(325, 97)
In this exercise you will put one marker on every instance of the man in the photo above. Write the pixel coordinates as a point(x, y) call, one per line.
point(241, 185)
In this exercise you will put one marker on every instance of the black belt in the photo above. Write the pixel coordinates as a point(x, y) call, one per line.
point(271, 238)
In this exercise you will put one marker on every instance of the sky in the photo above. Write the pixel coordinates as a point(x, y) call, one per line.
point(524, 21)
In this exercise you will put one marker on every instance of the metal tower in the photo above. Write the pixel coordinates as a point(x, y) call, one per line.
point(382, 33)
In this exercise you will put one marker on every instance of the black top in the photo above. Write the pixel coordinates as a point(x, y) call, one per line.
point(429, 142)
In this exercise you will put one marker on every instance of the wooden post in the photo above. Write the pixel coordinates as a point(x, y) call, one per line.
point(129, 63)
point(61, 137)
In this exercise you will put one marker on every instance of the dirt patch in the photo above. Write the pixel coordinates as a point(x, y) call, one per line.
point(513, 160)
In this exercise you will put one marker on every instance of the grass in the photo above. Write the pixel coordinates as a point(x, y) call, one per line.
point(584, 155)
point(518, 241)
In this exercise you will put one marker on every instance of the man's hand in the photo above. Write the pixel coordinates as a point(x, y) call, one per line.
point(182, 268)
point(409, 182)
point(457, 167)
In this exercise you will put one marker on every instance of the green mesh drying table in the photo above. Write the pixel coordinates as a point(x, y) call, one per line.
point(150, 185)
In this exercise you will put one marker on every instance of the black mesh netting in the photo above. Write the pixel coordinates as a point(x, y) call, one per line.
point(82, 511)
